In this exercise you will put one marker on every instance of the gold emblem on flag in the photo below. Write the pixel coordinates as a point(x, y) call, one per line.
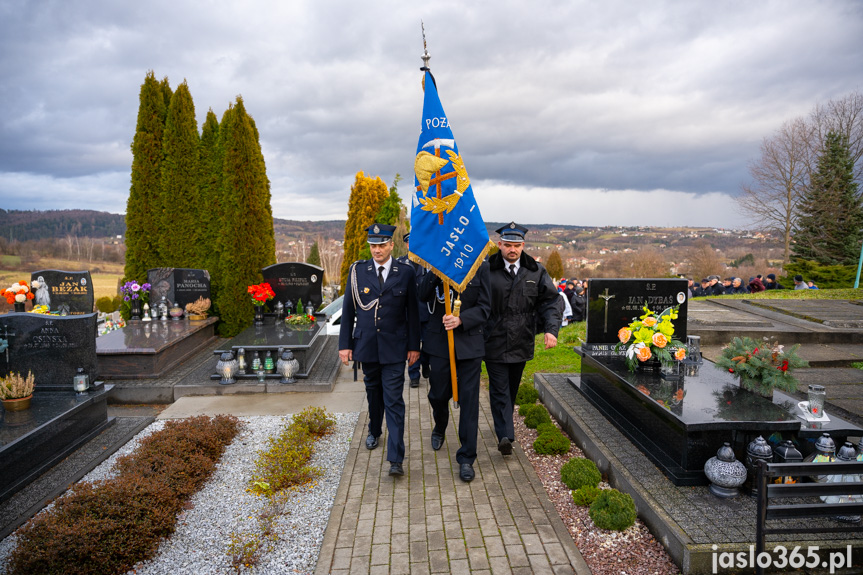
point(427, 168)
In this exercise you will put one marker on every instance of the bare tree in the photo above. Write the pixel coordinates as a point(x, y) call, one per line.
point(703, 261)
point(779, 177)
point(647, 262)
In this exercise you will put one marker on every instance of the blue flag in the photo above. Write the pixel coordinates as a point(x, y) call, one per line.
point(447, 231)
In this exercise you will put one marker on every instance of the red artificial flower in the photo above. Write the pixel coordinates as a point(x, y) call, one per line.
point(784, 366)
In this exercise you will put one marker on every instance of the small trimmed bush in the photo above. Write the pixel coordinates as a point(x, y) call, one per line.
point(537, 416)
point(551, 443)
point(526, 394)
point(586, 495)
point(544, 427)
point(613, 510)
point(105, 304)
point(526, 408)
point(578, 472)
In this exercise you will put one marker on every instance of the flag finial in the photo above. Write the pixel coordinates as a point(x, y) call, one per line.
point(426, 56)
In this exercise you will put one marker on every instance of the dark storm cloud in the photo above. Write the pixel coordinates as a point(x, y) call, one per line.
point(562, 100)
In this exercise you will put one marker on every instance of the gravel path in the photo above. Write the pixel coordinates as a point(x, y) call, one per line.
point(199, 546)
point(631, 552)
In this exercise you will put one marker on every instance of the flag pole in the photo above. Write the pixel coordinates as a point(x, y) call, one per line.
point(451, 342)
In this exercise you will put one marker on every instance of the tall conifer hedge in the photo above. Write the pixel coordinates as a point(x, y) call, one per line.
point(367, 197)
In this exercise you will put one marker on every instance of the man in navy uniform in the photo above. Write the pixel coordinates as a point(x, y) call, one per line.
point(523, 303)
point(467, 328)
point(414, 368)
point(381, 298)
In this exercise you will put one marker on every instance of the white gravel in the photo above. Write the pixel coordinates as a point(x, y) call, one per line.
point(199, 546)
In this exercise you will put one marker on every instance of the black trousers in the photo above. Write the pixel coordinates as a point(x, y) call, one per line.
point(385, 384)
point(503, 382)
point(440, 392)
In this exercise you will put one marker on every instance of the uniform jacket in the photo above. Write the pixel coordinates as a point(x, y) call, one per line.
point(386, 332)
point(515, 307)
point(419, 272)
point(469, 337)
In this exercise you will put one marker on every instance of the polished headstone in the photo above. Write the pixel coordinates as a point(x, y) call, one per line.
point(294, 281)
point(180, 285)
point(52, 347)
point(66, 292)
point(614, 303)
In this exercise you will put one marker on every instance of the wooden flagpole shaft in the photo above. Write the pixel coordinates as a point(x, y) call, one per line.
point(450, 341)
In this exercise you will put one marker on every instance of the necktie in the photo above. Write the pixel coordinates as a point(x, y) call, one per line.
point(381, 276)
point(512, 271)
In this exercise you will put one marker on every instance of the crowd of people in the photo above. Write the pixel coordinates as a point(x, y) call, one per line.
point(714, 286)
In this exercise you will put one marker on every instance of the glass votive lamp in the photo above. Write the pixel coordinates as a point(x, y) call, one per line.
point(227, 368)
point(817, 393)
point(81, 381)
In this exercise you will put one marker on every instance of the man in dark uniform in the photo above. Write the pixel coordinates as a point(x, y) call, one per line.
point(414, 368)
point(522, 295)
point(467, 328)
point(381, 297)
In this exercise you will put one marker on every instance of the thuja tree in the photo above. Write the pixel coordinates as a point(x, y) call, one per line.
point(315, 259)
point(210, 160)
point(367, 196)
point(246, 240)
point(143, 205)
point(391, 212)
point(829, 228)
point(554, 265)
point(180, 204)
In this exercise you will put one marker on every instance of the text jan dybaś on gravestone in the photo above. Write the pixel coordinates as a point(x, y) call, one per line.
point(70, 293)
point(294, 281)
point(180, 285)
point(52, 347)
point(614, 303)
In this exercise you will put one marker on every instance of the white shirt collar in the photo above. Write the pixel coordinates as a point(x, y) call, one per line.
point(516, 263)
point(387, 267)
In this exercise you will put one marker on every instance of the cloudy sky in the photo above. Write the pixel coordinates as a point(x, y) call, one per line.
point(570, 112)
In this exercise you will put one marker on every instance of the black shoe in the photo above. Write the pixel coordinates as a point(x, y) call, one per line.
point(415, 382)
point(371, 441)
point(426, 371)
point(466, 472)
point(396, 469)
point(505, 446)
point(437, 440)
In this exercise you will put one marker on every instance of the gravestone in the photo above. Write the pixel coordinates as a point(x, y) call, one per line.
point(182, 285)
point(293, 281)
point(66, 292)
point(614, 303)
point(52, 347)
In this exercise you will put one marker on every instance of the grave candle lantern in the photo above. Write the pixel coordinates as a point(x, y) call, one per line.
point(81, 381)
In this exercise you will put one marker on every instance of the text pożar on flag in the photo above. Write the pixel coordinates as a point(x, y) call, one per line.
point(448, 233)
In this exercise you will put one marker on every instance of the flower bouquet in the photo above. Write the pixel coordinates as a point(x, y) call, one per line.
point(300, 319)
point(17, 293)
point(133, 290)
point(761, 367)
point(261, 293)
point(651, 336)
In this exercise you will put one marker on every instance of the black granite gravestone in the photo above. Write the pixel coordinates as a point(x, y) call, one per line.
point(182, 285)
point(295, 281)
point(614, 303)
point(66, 292)
point(52, 347)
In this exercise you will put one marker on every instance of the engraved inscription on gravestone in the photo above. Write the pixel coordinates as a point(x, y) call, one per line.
point(180, 285)
point(614, 303)
point(52, 347)
point(293, 281)
point(66, 292)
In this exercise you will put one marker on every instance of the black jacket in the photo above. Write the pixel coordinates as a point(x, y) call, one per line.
point(579, 306)
point(469, 337)
point(516, 305)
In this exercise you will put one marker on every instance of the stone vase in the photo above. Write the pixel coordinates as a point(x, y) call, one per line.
point(135, 313)
point(19, 307)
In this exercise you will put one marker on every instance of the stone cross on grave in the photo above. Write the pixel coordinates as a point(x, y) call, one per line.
point(438, 179)
point(606, 297)
point(6, 336)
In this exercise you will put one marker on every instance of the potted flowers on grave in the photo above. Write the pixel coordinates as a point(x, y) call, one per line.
point(760, 366)
point(651, 336)
point(300, 319)
point(17, 294)
point(197, 310)
point(261, 293)
point(135, 295)
point(17, 391)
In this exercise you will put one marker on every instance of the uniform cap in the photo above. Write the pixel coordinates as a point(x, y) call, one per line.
point(512, 232)
point(380, 233)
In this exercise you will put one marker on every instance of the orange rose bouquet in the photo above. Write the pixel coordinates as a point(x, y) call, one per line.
point(261, 293)
point(651, 336)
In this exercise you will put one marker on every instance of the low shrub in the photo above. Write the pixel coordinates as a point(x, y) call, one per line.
point(551, 443)
point(526, 394)
point(105, 304)
point(536, 416)
point(579, 472)
point(526, 408)
point(613, 510)
point(586, 495)
point(543, 427)
point(109, 526)
point(316, 420)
